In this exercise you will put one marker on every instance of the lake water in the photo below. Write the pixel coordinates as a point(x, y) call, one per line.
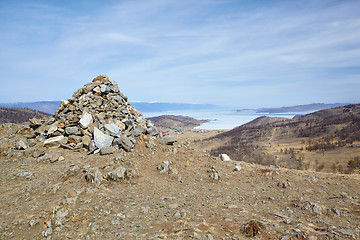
point(221, 118)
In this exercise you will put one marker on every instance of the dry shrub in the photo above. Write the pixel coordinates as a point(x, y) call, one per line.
point(252, 228)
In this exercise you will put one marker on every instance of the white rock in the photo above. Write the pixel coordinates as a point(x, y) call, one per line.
point(224, 157)
point(54, 141)
point(237, 168)
point(86, 120)
point(101, 139)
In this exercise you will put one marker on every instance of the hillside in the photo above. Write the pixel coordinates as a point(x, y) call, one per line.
point(17, 115)
point(327, 140)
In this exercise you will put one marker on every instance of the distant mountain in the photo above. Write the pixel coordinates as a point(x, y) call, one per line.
point(301, 108)
point(163, 106)
point(51, 106)
point(15, 115)
point(44, 106)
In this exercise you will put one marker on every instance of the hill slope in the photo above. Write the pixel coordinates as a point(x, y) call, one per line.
point(16, 115)
point(327, 140)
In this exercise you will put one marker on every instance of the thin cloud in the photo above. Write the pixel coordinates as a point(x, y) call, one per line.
point(191, 46)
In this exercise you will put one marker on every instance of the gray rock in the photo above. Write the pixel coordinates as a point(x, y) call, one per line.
point(138, 131)
point(72, 131)
point(22, 144)
point(101, 139)
point(38, 153)
point(168, 140)
point(125, 143)
point(128, 122)
point(54, 141)
point(153, 131)
point(86, 120)
point(104, 88)
point(117, 175)
point(114, 130)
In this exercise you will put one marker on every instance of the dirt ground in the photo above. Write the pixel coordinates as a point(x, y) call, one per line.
point(55, 198)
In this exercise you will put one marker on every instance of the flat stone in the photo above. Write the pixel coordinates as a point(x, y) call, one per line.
point(86, 141)
point(107, 150)
point(86, 120)
point(54, 141)
point(72, 131)
point(101, 139)
point(114, 130)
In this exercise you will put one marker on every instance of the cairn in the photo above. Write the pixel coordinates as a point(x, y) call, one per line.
point(99, 118)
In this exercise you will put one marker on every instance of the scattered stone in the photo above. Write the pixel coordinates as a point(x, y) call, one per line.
point(213, 173)
point(224, 157)
point(283, 184)
point(26, 175)
point(168, 140)
point(72, 171)
point(335, 211)
point(166, 167)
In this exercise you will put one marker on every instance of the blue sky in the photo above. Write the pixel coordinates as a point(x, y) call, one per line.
point(234, 53)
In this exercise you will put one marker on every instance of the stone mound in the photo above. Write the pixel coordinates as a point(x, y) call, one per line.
point(99, 118)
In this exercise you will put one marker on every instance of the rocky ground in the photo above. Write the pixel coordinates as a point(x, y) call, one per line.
point(97, 169)
point(159, 191)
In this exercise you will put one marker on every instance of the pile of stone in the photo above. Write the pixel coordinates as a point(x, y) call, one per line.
point(99, 118)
